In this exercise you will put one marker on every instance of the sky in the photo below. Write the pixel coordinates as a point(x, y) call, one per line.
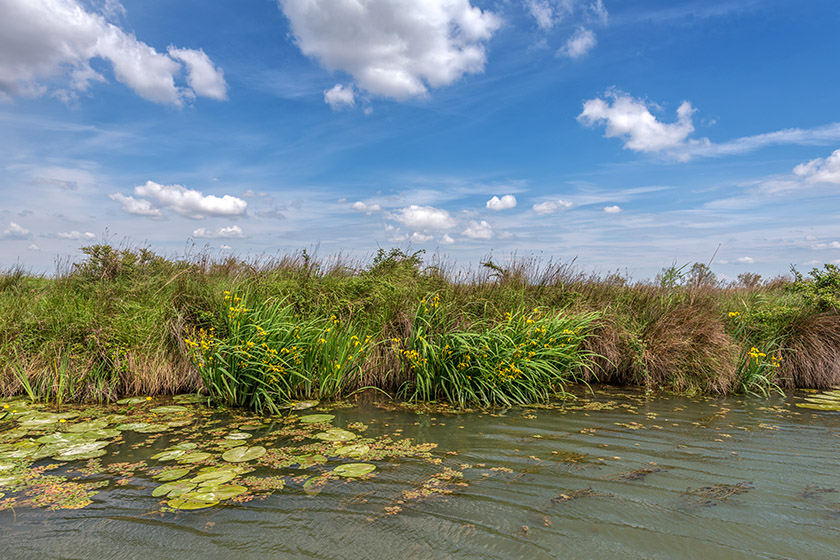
point(628, 135)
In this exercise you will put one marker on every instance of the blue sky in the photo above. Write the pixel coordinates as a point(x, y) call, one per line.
point(628, 135)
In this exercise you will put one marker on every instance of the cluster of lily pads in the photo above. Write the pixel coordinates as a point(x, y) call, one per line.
point(195, 459)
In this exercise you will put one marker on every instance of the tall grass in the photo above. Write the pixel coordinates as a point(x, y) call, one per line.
point(125, 321)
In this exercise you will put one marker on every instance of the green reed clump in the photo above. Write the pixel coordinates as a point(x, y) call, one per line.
point(525, 357)
point(264, 355)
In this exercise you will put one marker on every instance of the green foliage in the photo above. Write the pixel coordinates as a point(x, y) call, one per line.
point(822, 290)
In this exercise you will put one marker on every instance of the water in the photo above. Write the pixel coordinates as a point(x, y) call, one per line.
point(612, 476)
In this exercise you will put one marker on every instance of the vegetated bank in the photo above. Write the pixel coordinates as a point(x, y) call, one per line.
point(126, 321)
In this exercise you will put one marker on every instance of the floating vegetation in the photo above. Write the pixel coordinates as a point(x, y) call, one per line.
point(811, 492)
point(354, 470)
point(242, 454)
point(319, 418)
point(707, 496)
point(635, 475)
point(828, 400)
point(570, 495)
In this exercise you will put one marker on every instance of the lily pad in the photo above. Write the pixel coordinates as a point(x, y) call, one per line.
point(353, 470)
point(250, 427)
point(86, 450)
point(101, 434)
point(242, 454)
point(169, 455)
point(174, 489)
point(131, 426)
point(11, 480)
point(171, 409)
point(190, 501)
point(152, 429)
point(239, 435)
point(132, 400)
point(194, 457)
point(356, 450)
point(179, 423)
point(79, 427)
point(214, 478)
point(319, 418)
point(314, 485)
point(171, 474)
point(306, 461)
point(186, 446)
point(223, 492)
point(303, 405)
point(336, 434)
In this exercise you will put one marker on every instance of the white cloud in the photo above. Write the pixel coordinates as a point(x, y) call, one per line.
point(630, 119)
point(579, 44)
point(550, 206)
point(446, 239)
point(820, 170)
point(15, 231)
point(548, 13)
point(202, 76)
point(137, 207)
point(832, 245)
point(76, 235)
point(746, 260)
point(360, 206)
point(418, 237)
point(49, 38)
point(424, 218)
point(506, 202)
point(230, 232)
point(340, 97)
point(478, 230)
point(191, 203)
point(394, 48)
point(398, 237)
point(612, 209)
point(225, 247)
point(33, 247)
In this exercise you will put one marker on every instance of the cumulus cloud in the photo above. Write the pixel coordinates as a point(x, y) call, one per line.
point(820, 170)
point(131, 205)
point(478, 230)
point(746, 260)
point(15, 231)
point(394, 48)
point(832, 245)
point(506, 202)
point(551, 206)
point(630, 119)
point(202, 76)
point(418, 237)
point(43, 39)
point(340, 97)
point(76, 235)
point(446, 239)
point(189, 203)
point(579, 44)
point(424, 218)
point(33, 247)
point(360, 206)
point(230, 232)
point(612, 209)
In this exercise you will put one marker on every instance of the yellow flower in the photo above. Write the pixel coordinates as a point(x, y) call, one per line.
point(62, 420)
point(148, 398)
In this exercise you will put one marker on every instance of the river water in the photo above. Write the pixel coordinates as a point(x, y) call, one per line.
point(613, 474)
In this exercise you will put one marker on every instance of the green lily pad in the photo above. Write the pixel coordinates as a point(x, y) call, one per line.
point(353, 470)
point(79, 427)
point(214, 478)
point(171, 409)
point(11, 480)
point(100, 434)
point(133, 400)
point(218, 493)
point(174, 489)
point(303, 405)
point(61, 438)
point(171, 474)
point(152, 429)
point(131, 426)
point(194, 457)
point(20, 450)
point(242, 454)
point(86, 450)
point(238, 435)
point(816, 406)
point(190, 501)
point(250, 427)
point(314, 485)
point(320, 418)
point(306, 461)
point(169, 455)
point(336, 434)
point(186, 446)
point(179, 423)
point(356, 450)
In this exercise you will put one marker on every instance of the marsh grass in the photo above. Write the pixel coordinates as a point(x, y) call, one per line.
point(117, 324)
